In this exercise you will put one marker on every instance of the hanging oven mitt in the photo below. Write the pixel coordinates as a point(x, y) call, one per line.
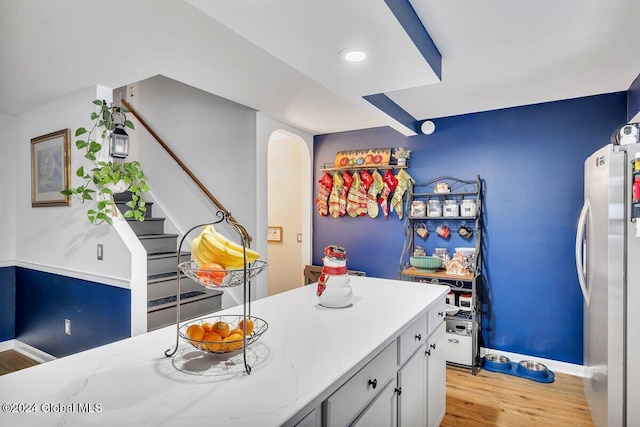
point(326, 182)
point(347, 181)
point(334, 196)
point(352, 197)
point(404, 181)
point(390, 183)
point(372, 195)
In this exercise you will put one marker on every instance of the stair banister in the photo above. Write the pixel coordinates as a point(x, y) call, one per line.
point(183, 166)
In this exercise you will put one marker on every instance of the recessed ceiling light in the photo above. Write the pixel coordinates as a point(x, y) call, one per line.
point(353, 55)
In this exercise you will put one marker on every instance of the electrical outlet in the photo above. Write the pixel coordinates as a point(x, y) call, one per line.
point(67, 327)
point(100, 251)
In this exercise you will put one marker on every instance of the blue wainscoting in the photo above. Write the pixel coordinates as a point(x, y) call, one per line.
point(7, 303)
point(99, 314)
point(531, 161)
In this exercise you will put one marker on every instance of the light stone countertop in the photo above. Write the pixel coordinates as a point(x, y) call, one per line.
point(307, 352)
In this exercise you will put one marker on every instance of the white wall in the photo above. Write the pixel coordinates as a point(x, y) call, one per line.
point(8, 150)
point(61, 239)
point(265, 126)
point(215, 138)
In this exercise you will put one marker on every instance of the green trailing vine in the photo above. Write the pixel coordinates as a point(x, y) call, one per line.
point(104, 175)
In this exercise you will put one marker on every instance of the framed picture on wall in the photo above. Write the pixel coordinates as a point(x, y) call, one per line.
point(50, 164)
point(274, 234)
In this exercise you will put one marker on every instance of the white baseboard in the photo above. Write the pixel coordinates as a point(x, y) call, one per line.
point(552, 365)
point(7, 345)
point(29, 351)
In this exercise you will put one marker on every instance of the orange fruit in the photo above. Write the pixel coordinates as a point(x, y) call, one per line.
point(212, 341)
point(211, 274)
point(249, 325)
point(195, 333)
point(208, 327)
point(236, 331)
point(235, 341)
point(221, 328)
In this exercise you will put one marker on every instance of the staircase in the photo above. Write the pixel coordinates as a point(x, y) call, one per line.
point(162, 278)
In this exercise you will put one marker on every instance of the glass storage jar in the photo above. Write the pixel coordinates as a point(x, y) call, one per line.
point(435, 208)
point(418, 208)
point(468, 208)
point(450, 208)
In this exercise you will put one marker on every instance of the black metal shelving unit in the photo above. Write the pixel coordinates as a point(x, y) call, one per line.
point(459, 190)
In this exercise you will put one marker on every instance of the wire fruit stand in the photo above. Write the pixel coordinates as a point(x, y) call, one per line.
point(247, 329)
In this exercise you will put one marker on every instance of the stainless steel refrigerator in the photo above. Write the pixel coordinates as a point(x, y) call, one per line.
point(608, 264)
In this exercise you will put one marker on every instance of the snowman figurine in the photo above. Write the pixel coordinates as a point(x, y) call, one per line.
point(334, 290)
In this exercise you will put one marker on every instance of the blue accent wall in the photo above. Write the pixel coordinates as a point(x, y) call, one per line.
point(7, 303)
point(99, 313)
point(531, 160)
point(633, 99)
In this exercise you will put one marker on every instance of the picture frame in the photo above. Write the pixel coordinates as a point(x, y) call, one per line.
point(274, 234)
point(50, 169)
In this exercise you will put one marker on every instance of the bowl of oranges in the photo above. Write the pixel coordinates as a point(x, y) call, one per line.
point(223, 334)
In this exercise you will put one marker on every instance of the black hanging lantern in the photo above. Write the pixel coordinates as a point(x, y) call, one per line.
point(119, 140)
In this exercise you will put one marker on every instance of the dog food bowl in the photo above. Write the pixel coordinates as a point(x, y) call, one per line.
point(497, 362)
point(532, 369)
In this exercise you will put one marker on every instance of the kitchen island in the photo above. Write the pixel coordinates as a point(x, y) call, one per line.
point(299, 366)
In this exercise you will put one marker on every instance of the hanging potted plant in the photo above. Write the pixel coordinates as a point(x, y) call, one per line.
point(401, 154)
point(115, 175)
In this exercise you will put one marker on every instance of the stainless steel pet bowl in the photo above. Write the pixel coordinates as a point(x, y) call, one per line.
point(497, 361)
point(532, 368)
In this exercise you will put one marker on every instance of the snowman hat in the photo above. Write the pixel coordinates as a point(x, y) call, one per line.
point(335, 252)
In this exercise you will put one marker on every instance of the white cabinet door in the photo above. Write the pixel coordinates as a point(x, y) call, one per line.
point(383, 411)
point(437, 376)
point(313, 419)
point(352, 397)
point(412, 395)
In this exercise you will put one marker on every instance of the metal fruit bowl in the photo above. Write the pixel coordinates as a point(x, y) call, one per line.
point(232, 277)
point(426, 263)
point(223, 347)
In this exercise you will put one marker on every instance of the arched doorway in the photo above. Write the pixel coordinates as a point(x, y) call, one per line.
point(288, 206)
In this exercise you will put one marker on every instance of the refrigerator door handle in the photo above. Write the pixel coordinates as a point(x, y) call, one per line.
point(579, 250)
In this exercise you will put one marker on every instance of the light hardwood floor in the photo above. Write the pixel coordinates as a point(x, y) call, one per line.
point(11, 360)
point(495, 399)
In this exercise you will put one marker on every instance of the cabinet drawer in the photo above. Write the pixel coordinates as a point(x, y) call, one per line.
point(343, 406)
point(459, 348)
point(437, 316)
point(411, 339)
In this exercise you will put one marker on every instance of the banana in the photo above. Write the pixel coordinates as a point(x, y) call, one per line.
point(233, 246)
point(251, 254)
point(195, 249)
point(220, 253)
point(211, 246)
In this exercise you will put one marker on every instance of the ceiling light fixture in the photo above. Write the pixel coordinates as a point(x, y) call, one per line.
point(353, 55)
